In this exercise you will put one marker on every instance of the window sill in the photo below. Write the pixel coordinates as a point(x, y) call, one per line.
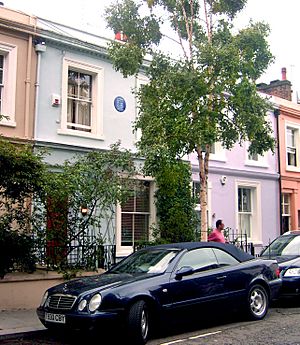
point(292, 168)
point(79, 134)
point(256, 164)
point(8, 123)
point(125, 251)
point(217, 158)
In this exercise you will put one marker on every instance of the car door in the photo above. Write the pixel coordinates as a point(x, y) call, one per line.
point(203, 283)
point(236, 275)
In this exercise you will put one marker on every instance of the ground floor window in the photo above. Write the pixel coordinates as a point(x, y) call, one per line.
point(286, 212)
point(135, 215)
point(244, 210)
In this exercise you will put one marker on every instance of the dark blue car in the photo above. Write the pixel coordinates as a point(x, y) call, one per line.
point(286, 250)
point(154, 283)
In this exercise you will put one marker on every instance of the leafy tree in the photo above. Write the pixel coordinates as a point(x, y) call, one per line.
point(78, 196)
point(21, 176)
point(175, 203)
point(207, 94)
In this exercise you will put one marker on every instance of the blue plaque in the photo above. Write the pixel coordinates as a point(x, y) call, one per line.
point(120, 104)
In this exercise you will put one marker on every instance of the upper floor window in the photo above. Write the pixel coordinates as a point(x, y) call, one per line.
point(212, 149)
point(79, 101)
point(82, 100)
point(8, 72)
point(217, 152)
point(253, 157)
point(140, 82)
point(292, 135)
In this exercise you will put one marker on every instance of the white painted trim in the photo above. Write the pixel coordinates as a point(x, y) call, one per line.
point(295, 126)
point(97, 99)
point(122, 251)
point(260, 163)
point(10, 53)
point(256, 225)
point(139, 81)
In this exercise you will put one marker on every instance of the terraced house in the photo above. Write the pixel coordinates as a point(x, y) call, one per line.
point(83, 104)
point(288, 124)
point(17, 75)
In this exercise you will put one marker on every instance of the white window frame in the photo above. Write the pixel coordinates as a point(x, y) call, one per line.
point(140, 81)
point(10, 53)
point(295, 127)
point(261, 160)
point(122, 251)
point(256, 215)
point(97, 73)
point(286, 203)
point(219, 153)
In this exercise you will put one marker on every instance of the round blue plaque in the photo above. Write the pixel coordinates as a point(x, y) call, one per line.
point(120, 104)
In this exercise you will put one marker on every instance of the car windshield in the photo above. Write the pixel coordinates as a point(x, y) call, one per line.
point(287, 245)
point(146, 261)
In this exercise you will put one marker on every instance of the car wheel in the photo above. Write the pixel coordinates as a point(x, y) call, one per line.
point(257, 302)
point(138, 323)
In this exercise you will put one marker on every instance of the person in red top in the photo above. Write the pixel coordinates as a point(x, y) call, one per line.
point(217, 235)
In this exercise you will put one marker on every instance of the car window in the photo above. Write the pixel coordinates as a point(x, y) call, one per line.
point(225, 259)
point(284, 245)
point(199, 259)
point(146, 261)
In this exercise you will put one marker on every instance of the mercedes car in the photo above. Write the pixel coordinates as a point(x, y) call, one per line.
point(160, 283)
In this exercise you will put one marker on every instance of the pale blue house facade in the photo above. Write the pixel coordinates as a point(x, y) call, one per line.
point(244, 191)
point(83, 104)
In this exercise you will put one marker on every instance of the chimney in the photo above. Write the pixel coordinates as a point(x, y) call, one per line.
point(120, 36)
point(283, 73)
point(280, 88)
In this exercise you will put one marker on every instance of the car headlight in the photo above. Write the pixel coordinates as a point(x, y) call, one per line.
point(292, 272)
point(44, 299)
point(82, 304)
point(95, 302)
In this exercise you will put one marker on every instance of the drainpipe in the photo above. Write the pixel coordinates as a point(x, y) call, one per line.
point(39, 48)
point(27, 88)
point(277, 113)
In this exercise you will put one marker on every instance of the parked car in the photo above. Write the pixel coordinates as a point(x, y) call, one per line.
point(153, 283)
point(286, 250)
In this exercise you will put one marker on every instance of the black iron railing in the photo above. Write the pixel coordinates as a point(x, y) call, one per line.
point(84, 256)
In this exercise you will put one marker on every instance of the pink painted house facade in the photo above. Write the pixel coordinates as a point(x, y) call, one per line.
point(289, 156)
point(18, 75)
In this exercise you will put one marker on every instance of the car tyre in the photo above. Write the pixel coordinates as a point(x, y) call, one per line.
point(138, 323)
point(257, 302)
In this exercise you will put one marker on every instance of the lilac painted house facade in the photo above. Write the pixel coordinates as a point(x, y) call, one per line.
point(243, 190)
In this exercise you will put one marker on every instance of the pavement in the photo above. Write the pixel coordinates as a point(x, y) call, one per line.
point(19, 322)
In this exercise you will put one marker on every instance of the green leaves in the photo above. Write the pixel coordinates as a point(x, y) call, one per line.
point(140, 31)
point(254, 52)
point(208, 94)
point(127, 58)
point(228, 7)
point(175, 204)
point(20, 170)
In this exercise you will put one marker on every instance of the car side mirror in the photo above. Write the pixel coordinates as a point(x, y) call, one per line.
point(184, 271)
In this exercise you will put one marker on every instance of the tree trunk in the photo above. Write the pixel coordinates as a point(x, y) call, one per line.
point(203, 174)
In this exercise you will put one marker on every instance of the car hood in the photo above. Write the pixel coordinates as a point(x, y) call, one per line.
point(99, 282)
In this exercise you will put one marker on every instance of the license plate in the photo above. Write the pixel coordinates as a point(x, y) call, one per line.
point(57, 318)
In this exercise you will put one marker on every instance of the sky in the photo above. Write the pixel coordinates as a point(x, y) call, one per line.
point(282, 16)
